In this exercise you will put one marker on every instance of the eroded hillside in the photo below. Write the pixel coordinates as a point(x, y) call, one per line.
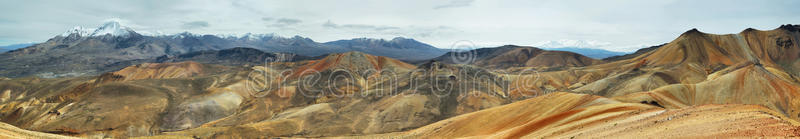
point(697, 86)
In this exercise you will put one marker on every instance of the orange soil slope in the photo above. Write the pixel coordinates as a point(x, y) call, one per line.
point(692, 58)
point(354, 62)
point(560, 59)
point(771, 48)
point(161, 70)
point(9, 131)
point(525, 56)
point(565, 115)
point(748, 85)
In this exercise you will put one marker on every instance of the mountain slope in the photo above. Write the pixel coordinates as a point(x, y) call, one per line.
point(566, 115)
point(381, 95)
point(232, 57)
point(695, 56)
point(634, 54)
point(774, 48)
point(751, 67)
point(364, 104)
point(517, 56)
point(9, 131)
point(751, 84)
point(398, 48)
point(355, 61)
point(129, 102)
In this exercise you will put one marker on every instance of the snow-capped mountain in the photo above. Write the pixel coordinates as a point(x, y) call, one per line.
point(253, 37)
point(80, 31)
point(80, 50)
point(399, 47)
point(395, 43)
point(113, 28)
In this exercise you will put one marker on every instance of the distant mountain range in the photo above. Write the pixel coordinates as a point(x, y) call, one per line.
point(586, 48)
point(90, 51)
point(231, 57)
point(111, 46)
point(589, 52)
point(14, 47)
point(399, 48)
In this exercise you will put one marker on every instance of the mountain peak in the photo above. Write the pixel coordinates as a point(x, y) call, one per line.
point(396, 42)
point(512, 46)
point(251, 36)
point(111, 24)
point(112, 27)
point(749, 30)
point(354, 61)
point(81, 31)
point(396, 39)
point(692, 31)
point(790, 27)
point(300, 37)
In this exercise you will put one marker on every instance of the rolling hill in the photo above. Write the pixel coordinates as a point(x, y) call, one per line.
point(517, 56)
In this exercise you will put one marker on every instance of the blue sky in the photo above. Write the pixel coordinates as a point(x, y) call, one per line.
point(622, 25)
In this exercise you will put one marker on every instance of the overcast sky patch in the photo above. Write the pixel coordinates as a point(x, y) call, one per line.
point(195, 25)
point(455, 3)
point(625, 24)
point(330, 24)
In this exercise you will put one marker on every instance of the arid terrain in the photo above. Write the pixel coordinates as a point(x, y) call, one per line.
point(699, 85)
